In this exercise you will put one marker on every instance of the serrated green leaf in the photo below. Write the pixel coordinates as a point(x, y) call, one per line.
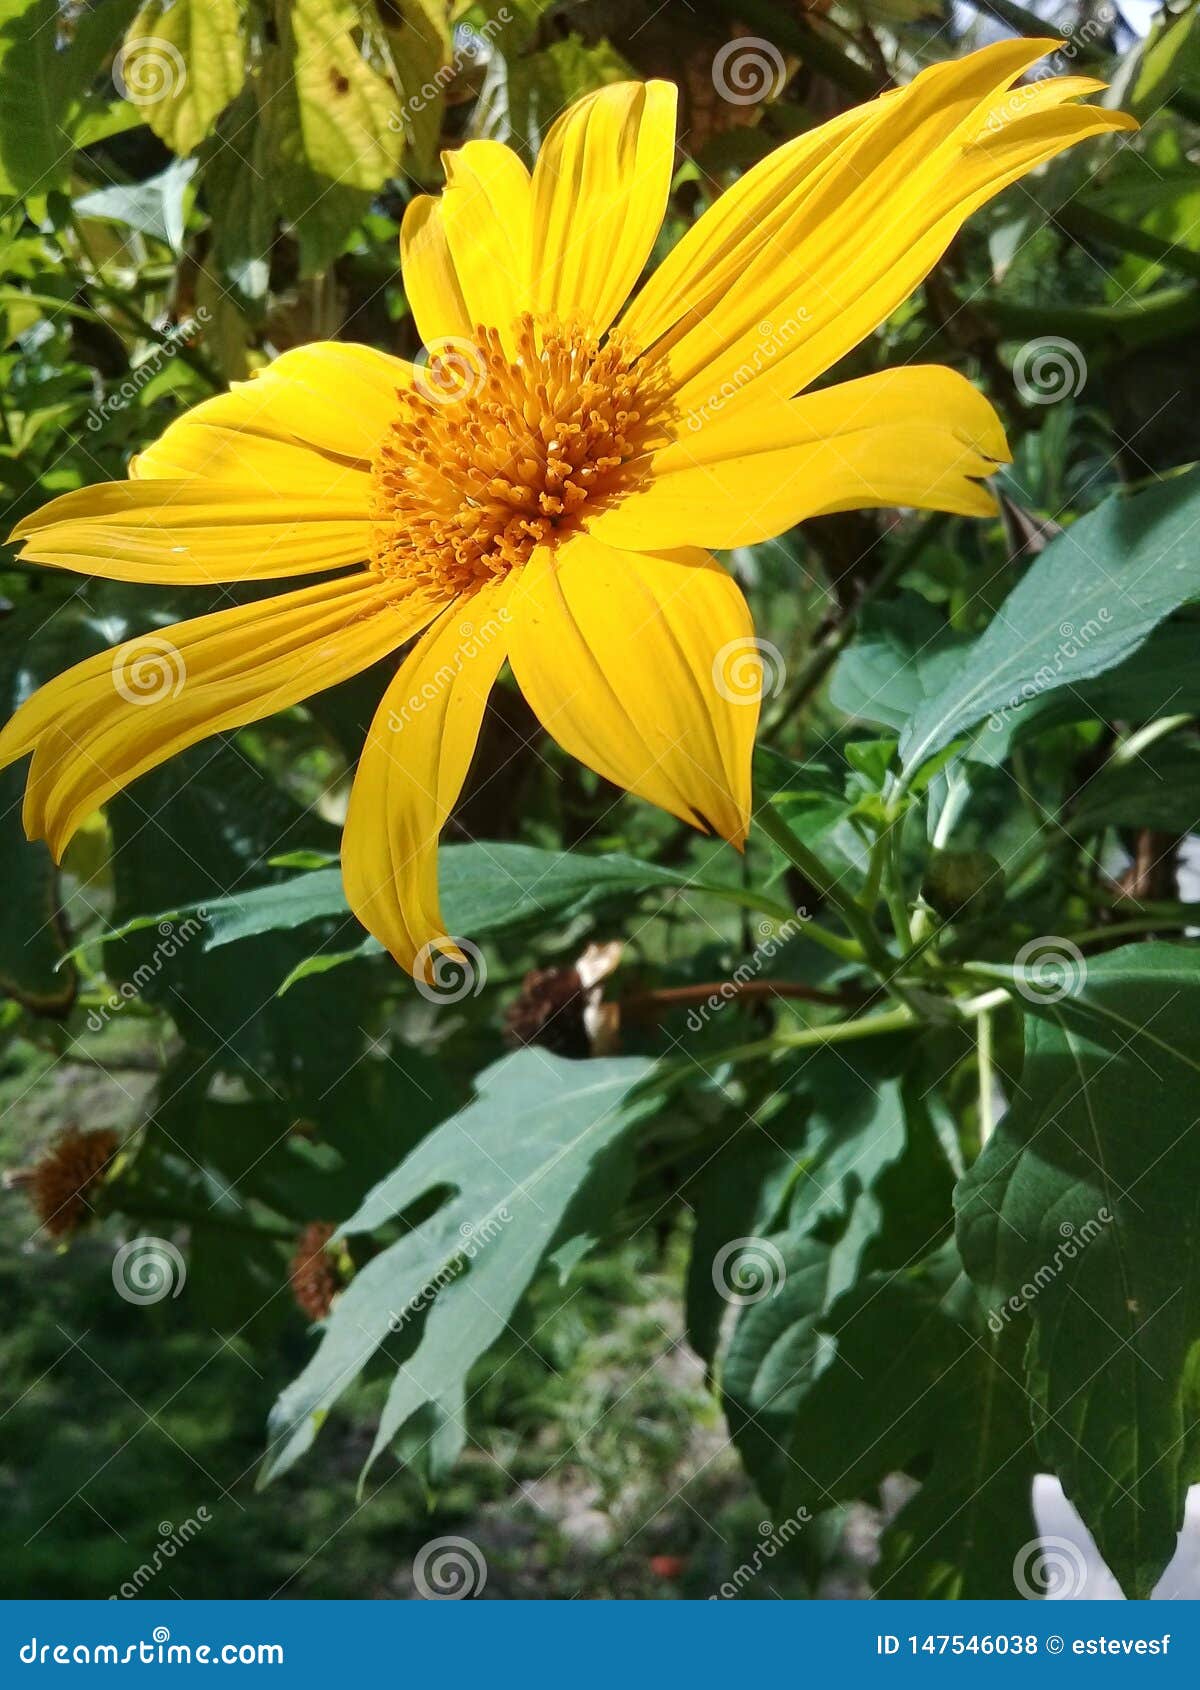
point(512, 1162)
point(1077, 1222)
point(911, 1387)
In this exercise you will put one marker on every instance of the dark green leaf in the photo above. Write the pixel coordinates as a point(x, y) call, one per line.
point(1078, 1219)
point(911, 1387)
point(1089, 600)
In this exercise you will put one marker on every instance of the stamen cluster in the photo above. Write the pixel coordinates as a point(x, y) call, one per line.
point(491, 455)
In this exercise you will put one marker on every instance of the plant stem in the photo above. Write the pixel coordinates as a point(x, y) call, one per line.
point(646, 1005)
point(984, 1053)
point(846, 1032)
point(835, 1032)
point(1169, 311)
point(1124, 929)
point(1089, 224)
point(1143, 738)
point(814, 871)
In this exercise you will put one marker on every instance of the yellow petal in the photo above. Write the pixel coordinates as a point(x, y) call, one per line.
point(919, 436)
point(485, 221)
point(643, 667)
point(412, 769)
point(600, 189)
point(184, 533)
point(817, 245)
point(312, 421)
point(101, 724)
point(431, 285)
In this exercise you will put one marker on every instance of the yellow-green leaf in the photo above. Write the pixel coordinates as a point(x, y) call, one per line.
point(181, 64)
point(325, 107)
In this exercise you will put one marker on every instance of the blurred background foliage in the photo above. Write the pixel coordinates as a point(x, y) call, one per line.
point(188, 188)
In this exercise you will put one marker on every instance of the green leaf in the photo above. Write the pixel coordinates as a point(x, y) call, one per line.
point(858, 1182)
point(484, 889)
point(243, 215)
point(46, 99)
point(508, 1168)
point(32, 932)
point(327, 111)
point(522, 95)
point(1079, 1220)
point(1089, 600)
point(904, 655)
point(332, 129)
point(205, 820)
point(912, 1388)
point(738, 1195)
point(181, 64)
point(1168, 60)
point(775, 1350)
point(1161, 678)
point(1160, 788)
point(421, 48)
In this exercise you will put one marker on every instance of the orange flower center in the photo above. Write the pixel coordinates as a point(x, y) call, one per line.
point(490, 456)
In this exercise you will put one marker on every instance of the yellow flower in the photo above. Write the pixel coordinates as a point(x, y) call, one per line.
point(540, 489)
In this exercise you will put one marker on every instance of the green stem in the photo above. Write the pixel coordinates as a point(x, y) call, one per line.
point(1143, 738)
point(813, 869)
point(1168, 312)
point(1089, 224)
point(812, 1038)
point(1125, 929)
point(838, 1032)
point(985, 1053)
